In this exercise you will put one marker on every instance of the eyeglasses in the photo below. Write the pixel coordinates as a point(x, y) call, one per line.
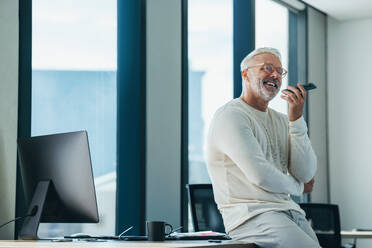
point(269, 68)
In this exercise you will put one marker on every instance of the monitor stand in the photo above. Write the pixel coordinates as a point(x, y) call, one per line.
point(31, 223)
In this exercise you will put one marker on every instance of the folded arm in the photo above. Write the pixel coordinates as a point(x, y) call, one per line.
point(233, 136)
point(302, 164)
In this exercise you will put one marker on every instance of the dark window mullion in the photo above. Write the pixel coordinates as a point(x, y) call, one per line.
point(185, 119)
point(131, 134)
point(24, 94)
point(297, 64)
point(244, 37)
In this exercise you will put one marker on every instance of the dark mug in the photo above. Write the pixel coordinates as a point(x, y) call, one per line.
point(156, 230)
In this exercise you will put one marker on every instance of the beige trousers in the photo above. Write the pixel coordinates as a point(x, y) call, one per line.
point(277, 229)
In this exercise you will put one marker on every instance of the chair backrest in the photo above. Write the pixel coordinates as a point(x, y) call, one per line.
point(205, 215)
point(325, 220)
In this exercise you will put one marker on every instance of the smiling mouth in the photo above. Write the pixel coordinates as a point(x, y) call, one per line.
point(271, 82)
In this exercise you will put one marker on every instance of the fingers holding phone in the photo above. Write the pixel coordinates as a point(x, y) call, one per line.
point(295, 96)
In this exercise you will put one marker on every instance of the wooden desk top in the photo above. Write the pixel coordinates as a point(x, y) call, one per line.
point(122, 244)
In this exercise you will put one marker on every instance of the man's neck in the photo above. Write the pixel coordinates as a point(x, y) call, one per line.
point(254, 101)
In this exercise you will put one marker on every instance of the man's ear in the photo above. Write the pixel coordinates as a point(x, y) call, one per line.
point(245, 75)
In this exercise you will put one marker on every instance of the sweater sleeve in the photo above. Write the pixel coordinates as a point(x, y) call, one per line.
point(303, 162)
point(232, 135)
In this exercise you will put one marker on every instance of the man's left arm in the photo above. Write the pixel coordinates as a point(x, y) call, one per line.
point(302, 160)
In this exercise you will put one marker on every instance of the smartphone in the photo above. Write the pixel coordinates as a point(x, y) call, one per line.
point(308, 86)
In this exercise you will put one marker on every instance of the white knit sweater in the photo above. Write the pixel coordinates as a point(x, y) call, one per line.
point(256, 160)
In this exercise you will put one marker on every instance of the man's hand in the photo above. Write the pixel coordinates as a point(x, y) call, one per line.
point(296, 101)
point(308, 187)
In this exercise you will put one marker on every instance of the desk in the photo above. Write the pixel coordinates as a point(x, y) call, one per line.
point(123, 244)
point(353, 234)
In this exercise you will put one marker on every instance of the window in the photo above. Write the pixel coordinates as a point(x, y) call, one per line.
point(210, 46)
point(74, 88)
point(210, 76)
point(272, 31)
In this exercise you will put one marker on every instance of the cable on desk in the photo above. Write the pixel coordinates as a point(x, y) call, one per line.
point(33, 213)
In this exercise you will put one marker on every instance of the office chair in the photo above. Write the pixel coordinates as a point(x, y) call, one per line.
point(325, 220)
point(205, 215)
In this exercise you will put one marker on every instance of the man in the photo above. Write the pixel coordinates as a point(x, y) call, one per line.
point(258, 157)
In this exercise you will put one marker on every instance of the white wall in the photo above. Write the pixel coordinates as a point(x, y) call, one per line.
point(317, 104)
point(350, 118)
point(163, 44)
point(8, 112)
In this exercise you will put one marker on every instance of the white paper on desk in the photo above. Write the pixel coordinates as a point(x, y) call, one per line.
point(198, 234)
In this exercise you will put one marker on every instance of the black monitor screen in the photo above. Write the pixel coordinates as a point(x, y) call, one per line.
point(64, 159)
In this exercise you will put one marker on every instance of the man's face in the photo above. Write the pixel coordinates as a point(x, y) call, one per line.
point(265, 85)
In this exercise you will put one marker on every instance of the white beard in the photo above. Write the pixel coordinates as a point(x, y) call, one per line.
point(260, 89)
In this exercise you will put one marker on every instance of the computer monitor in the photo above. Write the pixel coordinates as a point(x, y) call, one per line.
point(58, 181)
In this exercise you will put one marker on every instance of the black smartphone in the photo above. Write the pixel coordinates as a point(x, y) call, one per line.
point(308, 86)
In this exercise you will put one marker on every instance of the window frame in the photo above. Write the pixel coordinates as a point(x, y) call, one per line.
point(184, 118)
point(131, 126)
point(24, 95)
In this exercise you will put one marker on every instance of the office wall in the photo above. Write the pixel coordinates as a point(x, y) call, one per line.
point(350, 118)
point(163, 110)
point(317, 104)
point(8, 112)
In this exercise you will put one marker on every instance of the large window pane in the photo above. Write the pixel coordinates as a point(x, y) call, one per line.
point(210, 45)
point(272, 31)
point(74, 88)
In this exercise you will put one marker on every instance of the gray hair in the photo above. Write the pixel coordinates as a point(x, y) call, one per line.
point(273, 51)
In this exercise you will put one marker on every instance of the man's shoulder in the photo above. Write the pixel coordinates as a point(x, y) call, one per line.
point(230, 109)
point(231, 115)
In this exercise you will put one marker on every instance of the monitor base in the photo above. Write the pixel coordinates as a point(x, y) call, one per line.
point(31, 223)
